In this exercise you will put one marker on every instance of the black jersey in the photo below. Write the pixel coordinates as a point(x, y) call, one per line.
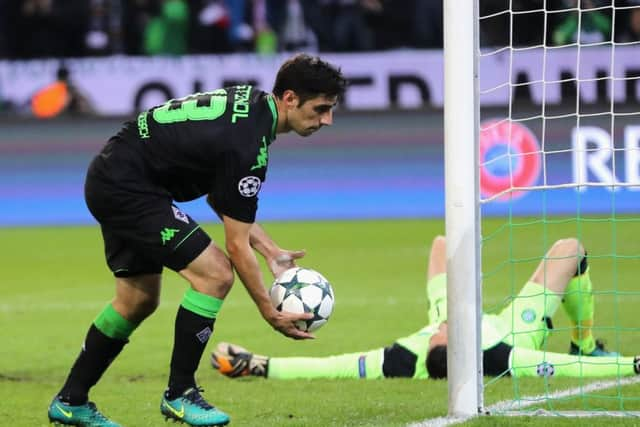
point(212, 143)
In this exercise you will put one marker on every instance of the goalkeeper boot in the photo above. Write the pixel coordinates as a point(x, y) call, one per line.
point(234, 361)
point(86, 415)
point(191, 408)
point(599, 351)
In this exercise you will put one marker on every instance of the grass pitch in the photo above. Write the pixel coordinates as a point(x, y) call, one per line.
point(55, 281)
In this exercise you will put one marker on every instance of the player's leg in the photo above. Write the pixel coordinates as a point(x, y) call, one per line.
point(210, 275)
point(529, 363)
point(136, 298)
point(235, 361)
point(531, 311)
point(565, 270)
point(437, 281)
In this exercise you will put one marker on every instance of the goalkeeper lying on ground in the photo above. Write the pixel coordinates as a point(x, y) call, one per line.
point(512, 341)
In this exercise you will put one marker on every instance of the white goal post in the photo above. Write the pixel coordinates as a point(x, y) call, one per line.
point(462, 216)
point(560, 158)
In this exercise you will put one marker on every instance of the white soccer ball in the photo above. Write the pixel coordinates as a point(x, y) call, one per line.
point(303, 290)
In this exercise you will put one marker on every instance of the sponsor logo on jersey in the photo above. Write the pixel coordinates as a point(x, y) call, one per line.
point(528, 315)
point(263, 156)
point(241, 103)
point(249, 186)
point(143, 127)
point(179, 215)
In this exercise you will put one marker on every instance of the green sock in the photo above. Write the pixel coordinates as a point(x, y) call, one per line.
point(112, 324)
point(579, 306)
point(202, 304)
point(531, 363)
point(353, 365)
point(437, 297)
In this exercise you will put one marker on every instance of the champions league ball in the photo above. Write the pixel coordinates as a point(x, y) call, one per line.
point(302, 290)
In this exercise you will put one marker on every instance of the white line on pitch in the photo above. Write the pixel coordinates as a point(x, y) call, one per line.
point(507, 405)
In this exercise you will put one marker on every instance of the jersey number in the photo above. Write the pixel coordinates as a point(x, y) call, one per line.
point(199, 106)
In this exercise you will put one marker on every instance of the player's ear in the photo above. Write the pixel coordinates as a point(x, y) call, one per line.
point(290, 98)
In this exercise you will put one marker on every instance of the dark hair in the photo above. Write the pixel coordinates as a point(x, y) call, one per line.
point(309, 76)
point(437, 362)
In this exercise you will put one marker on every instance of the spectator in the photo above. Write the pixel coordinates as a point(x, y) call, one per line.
point(46, 28)
point(240, 31)
point(209, 23)
point(103, 31)
point(59, 97)
point(135, 17)
point(341, 25)
point(631, 29)
point(582, 26)
point(167, 33)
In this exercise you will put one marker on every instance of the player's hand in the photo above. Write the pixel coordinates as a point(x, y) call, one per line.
point(283, 261)
point(285, 323)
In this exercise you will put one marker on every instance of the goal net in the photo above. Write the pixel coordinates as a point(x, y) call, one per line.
point(555, 119)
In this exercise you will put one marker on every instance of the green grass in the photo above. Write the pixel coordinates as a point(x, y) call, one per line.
point(55, 281)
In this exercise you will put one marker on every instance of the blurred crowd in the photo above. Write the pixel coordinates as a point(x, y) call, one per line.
point(588, 22)
point(76, 28)
point(66, 28)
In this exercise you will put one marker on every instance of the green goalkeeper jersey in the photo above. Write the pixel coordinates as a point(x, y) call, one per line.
point(494, 331)
point(418, 344)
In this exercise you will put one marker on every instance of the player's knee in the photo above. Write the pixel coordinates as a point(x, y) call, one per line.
point(216, 280)
point(147, 306)
point(568, 247)
point(137, 307)
point(224, 278)
point(439, 241)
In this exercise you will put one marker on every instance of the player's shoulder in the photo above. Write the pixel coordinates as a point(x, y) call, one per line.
point(251, 109)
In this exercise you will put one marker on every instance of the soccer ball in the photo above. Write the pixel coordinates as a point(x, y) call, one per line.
point(303, 290)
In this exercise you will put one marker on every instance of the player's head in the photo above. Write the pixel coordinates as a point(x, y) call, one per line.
point(437, 362)
point(308, 88)
point(437, 353)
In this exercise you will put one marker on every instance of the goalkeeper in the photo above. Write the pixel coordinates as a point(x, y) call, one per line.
point(513, 341)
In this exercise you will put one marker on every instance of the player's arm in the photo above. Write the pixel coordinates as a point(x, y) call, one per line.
point(277, 259)
point(243, 258)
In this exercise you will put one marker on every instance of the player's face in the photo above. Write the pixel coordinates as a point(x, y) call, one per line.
point(439, 338)
point(307, 118)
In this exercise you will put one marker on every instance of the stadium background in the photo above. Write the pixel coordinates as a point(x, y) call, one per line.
point(367, 166)
point(379, 168)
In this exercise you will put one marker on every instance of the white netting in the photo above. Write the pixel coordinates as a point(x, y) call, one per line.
point(559, 88)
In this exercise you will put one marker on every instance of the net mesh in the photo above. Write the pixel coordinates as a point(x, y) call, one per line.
point(560, 158)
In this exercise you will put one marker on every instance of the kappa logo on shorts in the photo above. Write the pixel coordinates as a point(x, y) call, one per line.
point(180, 216)
point(167, 234)
point(528, 315)
point(249, 186)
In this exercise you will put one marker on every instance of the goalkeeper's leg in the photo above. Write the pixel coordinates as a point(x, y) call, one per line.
point(235, 361)
point(437, 281)
point(564, 271)
point(531, 363)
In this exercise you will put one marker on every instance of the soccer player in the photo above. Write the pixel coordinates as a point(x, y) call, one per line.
point(512, 341)
point(214, 144)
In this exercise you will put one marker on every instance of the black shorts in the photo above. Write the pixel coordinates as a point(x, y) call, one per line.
point(142, 229)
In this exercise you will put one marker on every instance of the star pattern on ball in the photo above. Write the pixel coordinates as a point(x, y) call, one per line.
point(302, 290)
